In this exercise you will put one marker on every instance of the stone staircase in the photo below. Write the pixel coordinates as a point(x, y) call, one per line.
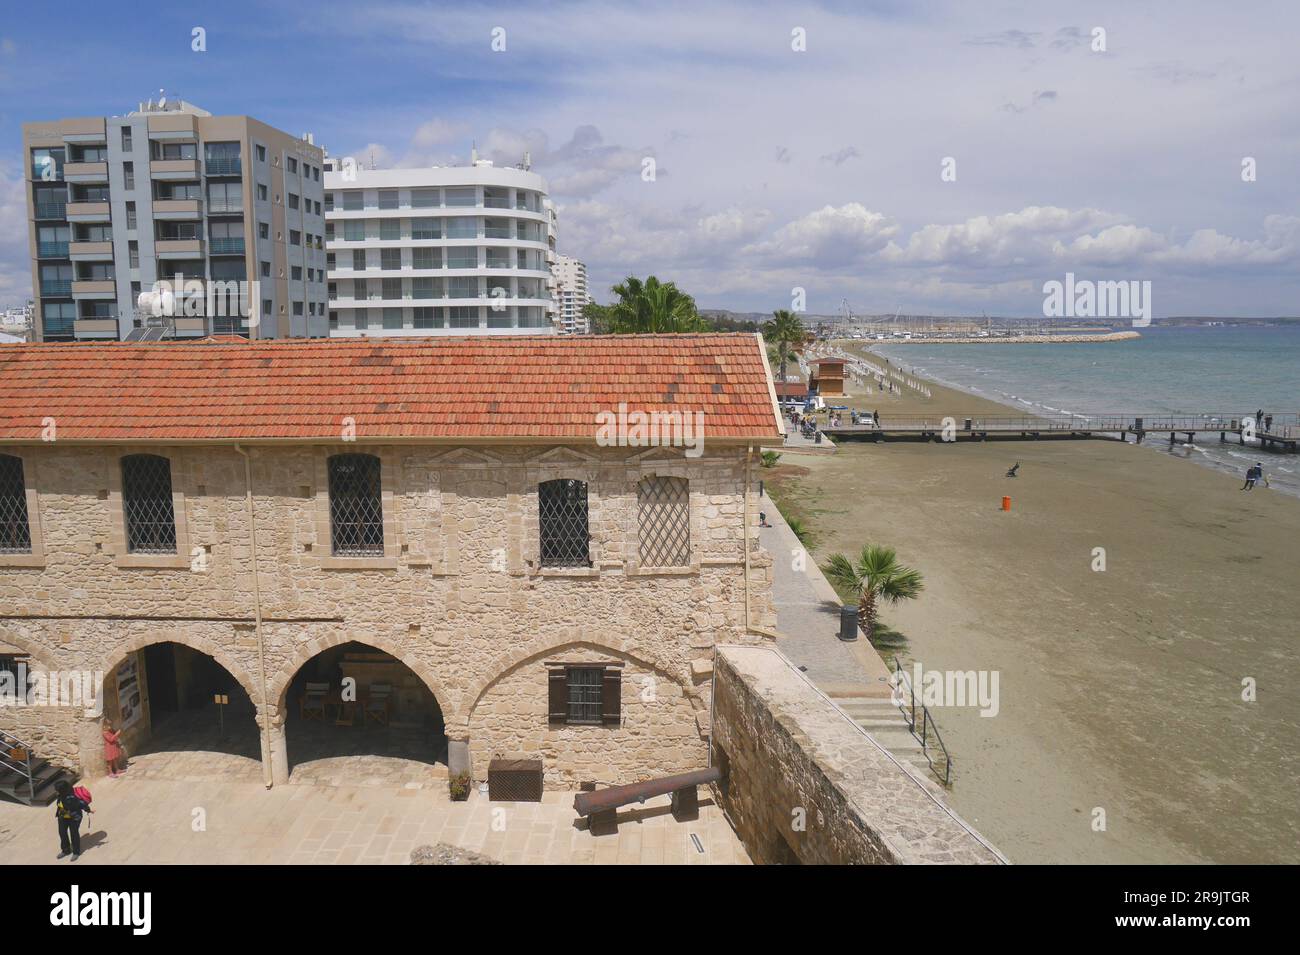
point(29, 779)
point(882, 718)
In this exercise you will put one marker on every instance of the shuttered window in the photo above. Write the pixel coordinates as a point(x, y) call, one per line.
point(581, 695)
point(15, 531)
point(147, 504)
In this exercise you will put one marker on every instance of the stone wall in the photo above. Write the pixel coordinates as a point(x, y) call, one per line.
point(458, 595)
point(804, 784)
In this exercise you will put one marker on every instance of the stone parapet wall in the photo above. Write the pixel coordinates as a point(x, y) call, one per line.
point(803, 783)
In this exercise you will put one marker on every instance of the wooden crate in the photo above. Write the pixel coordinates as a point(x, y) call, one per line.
point(515, 780)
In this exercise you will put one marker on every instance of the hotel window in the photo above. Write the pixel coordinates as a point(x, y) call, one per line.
point(261, 153)
point(425, 258)
point(295, 237)
point(356, 504)
point(562, 523)
point(427, 317)
point(390, 229)
point(128, 175)
point(295, 273)
point(462, 258)
point(334, 320)
point(15, 531)
point(293, 201)
point(424, 288)
point(57, 319)
point(353, 199)
point(424, 198)
point(133, 254)
point(297, 308)
point(463, 317)
point(293, 165)
point(130, 215)
point(361, 318)
point(266, 270)
point(317, 205)
point(392, 318)
point(392, 289)
point(315, 173)
point(462, 196)
point(329, 202)
point(147, 504)
point(663, 507)
point(261, 192)
point(263, 230)
point(358, 260)
point(354, 230)
point(584, 695)
point(388, 198)
point(426, 229)
point(126, 139)
point(463, 227)
point(390, 259)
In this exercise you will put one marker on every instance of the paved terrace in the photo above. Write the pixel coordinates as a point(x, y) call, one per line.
point(150, 821)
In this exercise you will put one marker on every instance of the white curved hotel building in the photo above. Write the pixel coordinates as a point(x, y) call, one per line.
point(457, 250)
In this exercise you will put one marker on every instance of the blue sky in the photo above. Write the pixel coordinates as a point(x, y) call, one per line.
point(775, 168)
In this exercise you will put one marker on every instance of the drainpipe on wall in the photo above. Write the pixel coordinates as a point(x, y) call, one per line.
point(267, 777)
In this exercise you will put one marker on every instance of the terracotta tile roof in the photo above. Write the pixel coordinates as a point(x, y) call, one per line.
point(791, 389)
point(529, 387)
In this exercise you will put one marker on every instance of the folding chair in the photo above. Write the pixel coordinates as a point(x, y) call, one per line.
point(378, 702)
point(311, 705)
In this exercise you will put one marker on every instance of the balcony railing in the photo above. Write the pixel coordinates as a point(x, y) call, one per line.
point(223, 167)
point(492, 202)
point(56, 286)
point(51, 210)
point(52, 250)
point(227, 246)
point(494, 232)
point(225, 205)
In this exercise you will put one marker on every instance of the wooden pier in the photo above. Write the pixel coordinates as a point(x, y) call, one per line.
point(1283, 434)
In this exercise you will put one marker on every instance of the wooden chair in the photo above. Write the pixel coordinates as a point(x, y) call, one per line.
point(311, 705)
point(379, 702)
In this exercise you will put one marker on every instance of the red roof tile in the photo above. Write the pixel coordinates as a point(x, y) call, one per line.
point(539, 387)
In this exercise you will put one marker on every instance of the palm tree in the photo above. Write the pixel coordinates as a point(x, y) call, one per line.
point(783, 332)
point(653, 307)
point(877, 576)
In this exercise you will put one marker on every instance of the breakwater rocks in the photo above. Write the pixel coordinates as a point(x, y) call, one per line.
point(1017, 340)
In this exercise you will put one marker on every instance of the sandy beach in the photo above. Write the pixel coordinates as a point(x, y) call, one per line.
point(1119, 689)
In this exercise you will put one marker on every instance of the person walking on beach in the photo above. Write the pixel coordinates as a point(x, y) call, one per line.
point(113, 749)
point(1251, 473)
point(68, 810)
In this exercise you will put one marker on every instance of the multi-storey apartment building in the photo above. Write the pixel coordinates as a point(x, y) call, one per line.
point(122, 205)
point(482, 530)
point(570, 295)
point(441, 251)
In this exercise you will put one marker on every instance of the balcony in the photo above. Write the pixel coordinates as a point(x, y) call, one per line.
point(87, 212)
point(178, 208)
point(95, 328)
point(90, 251)
point(224, 167)
point(52, 250)
point(56, 288)
point(51, 210)
point(185, 248)
point(94, 288)
point(227, 246)
point(174, 169)
point(85, 172)
point(93, 133)
point(225, 207)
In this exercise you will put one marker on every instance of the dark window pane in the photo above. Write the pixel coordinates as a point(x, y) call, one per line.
point(15, 532)
point(356, 506)
point(562, 513)
point(147, 504)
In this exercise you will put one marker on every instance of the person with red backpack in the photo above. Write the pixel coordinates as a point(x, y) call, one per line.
point(69, 805)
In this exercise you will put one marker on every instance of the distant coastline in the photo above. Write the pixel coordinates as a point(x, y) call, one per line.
point(1013, 340)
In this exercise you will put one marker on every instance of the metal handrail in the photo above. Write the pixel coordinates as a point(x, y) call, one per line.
point(928, 725)
point(8, 739)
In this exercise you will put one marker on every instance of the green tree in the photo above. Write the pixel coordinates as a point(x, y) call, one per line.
point(875, 577)
point(783, 333)
point(600, 318)
point(653, 307)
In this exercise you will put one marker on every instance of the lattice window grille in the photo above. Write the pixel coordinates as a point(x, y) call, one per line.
point(664, 516)
point(356, 506)
point(147, 504)
point(15, 531)
point(562, 519)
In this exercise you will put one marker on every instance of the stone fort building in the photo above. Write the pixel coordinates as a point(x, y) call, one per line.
point(443, 511)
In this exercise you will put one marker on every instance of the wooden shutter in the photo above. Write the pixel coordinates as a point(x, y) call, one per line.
point(558, 695)
point(611, 697)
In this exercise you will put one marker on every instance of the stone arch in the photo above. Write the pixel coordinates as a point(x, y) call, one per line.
point(38, 652)
point(507, 662)
point(279, 684)
point(139, 641)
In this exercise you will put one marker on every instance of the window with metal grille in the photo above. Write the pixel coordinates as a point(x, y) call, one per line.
point(147, 504)
point(356, 506)
point(562, 519)
point(586, 686)
point(15, 532)
point(664, 519)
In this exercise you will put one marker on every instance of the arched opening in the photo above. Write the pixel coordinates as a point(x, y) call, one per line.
point(182, 715)
point(355, 715)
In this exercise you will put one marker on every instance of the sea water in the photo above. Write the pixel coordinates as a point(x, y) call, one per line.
point(1230, 370)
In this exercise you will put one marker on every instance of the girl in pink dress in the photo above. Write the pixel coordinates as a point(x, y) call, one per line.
point(112, 749)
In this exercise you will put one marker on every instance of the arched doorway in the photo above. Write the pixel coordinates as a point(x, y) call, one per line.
point(358, 716)
point(183, 715)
